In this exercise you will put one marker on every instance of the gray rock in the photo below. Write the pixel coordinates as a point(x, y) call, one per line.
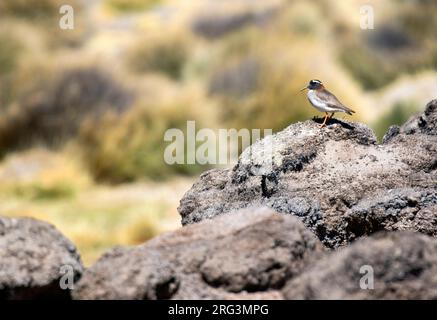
point(403, 265)
point(248, 254)
point(31, 256)
point(337, 180)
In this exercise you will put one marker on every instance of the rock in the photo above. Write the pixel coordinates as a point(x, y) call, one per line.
point(337, 180)
point(425, 123)
point(247, 254)
point(403, 264)
point(31, 256)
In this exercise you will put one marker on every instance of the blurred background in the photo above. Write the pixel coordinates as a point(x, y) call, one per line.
point(83, 111)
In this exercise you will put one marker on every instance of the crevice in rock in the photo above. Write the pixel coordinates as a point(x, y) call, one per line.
point(359, 226)
point(264, 190)
point(251, 287)
point(297, 163)
point(51, 291)
point(167, 289)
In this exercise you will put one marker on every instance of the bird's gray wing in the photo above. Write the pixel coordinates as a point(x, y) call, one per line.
point(333, 102)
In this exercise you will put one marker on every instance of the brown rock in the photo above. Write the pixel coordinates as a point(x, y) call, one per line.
point(404, 266)
point(337, 180)
point(32, 253)
point(251, 253)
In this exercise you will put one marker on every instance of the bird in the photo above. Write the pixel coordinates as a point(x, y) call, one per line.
point(324, 101)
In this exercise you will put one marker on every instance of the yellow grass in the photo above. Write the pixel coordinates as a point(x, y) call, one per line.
point(54, 187)
point(100, 217)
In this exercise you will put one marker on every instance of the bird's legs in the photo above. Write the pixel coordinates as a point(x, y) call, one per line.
point(327, 118)
point(324, 121)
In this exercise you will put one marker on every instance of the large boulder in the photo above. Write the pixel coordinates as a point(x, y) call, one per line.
point(388, 265)
point(34, 257)
point(338, 180)
point(248, 254)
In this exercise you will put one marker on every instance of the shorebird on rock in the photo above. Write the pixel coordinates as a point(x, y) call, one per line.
point(324, 101)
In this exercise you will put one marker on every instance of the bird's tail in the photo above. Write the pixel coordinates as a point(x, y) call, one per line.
point(349, 111)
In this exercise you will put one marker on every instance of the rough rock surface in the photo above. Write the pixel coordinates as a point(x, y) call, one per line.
point(404, 266)
point(338, 180)
point(31, 256)
point(248, 254)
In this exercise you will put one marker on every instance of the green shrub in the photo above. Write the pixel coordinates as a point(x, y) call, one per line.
point(59, 105)
point(39, 192)
point(215, 26)
point(40, 12)
point(120, 149)
point(130, 5)
point(366, 67)
point(375, 68)
point(31, 9)
point(400, 44)
point(41, 175)
point(9, 50)
point(165, 55)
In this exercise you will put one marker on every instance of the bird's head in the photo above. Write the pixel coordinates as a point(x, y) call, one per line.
point(313, 85)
